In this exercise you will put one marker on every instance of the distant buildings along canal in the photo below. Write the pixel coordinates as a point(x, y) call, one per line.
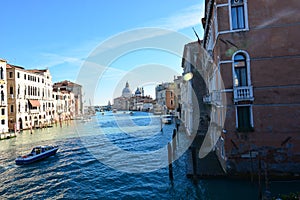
point(136, 101)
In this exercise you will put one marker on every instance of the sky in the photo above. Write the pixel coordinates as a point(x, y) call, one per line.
point(75, 38)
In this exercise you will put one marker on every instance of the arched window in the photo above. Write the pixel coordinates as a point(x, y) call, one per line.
point(238, 16)
point(240, 70)
point(242, 91)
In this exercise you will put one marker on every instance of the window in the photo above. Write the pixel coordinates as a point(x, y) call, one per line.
point(24, 76)
point(11, 75)
point(11, 90)
point(2, 111)
point(240, 70)
point(2, 95)
point(11, 108)
point(1, 73)
point(18, 74)
point(237, 14)
point(244, 118)
point(3, 122)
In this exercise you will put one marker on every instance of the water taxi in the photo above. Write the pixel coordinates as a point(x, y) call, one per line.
point(37, 153)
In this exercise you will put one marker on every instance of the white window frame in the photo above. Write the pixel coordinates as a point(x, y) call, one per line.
point(245, 13)
point(247, 63)
point(251, 115)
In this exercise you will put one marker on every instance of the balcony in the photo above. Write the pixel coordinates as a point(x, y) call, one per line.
point(215, 97)
point(34, 111)
point(244, 93)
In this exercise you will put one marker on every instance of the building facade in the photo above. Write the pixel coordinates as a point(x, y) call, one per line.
point(253, 44)
point(165, 97)
point(141, 102)
point(177, 91)
point(3, 97)
point(70, 94)
point(30, 102)
point(123, 102)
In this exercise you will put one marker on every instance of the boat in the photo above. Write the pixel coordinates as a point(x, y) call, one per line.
point(166, 119)
point(37, 153)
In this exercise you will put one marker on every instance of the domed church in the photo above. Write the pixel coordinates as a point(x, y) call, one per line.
point(122, 102)
point(126, 91)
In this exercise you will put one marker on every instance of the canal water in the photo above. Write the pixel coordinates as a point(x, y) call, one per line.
point(111, 156)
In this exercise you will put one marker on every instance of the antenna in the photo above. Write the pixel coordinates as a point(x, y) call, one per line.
point(197, 36)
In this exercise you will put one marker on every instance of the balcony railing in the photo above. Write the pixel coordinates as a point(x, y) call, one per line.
point(207, 99)
point(33, 111)
point(244, 93)
point(215, 97)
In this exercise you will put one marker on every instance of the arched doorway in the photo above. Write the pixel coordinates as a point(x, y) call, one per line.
point(36, 122)
point(20, 123)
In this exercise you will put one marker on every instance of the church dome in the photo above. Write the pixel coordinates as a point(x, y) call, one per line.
point(126, 91)
point(138, 92)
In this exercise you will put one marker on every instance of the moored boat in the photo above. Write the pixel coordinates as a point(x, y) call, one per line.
point(37, 153)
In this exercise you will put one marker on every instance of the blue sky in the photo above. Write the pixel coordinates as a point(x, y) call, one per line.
point(62, 34)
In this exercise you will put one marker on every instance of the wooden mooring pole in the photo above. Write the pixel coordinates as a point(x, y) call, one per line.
point(194, 163)
point(170, 161)
point(174, 142)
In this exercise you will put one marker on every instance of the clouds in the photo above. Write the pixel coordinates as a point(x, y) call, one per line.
point(182, 19)
point(84, 62)
point(185, 18)
point(50, 59)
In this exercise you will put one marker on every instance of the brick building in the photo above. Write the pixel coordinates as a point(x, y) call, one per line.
point(165, 97)
point(254, 45)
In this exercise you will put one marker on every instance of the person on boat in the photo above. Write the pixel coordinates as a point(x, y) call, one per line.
point(38, 151)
